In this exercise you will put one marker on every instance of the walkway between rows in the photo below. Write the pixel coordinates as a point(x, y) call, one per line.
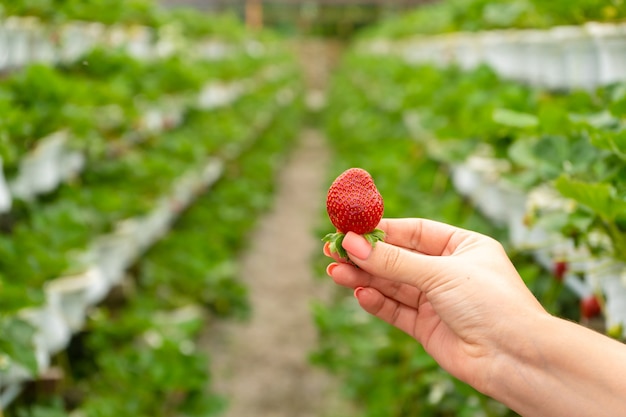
point(261, 366)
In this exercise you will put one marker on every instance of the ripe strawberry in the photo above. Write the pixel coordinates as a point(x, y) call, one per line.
point(354, 205)
point(590, 307)
point(560, 268)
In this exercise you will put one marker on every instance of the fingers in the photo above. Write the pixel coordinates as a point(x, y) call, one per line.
point(394, 263)
point(351, 277)
point(414, 321)
point(422, 235)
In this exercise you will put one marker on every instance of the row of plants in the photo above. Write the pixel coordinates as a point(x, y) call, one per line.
point(55, 233)
point(413, 125)
point(572, 141)
point(193, 25)
point(140, 352)
point(135, 170)
point(100, 97)
point(472, 15)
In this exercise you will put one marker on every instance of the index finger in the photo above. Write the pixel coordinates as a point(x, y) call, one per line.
point(426, 236)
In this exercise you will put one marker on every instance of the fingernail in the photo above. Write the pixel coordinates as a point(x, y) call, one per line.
point(327, 249)
point(330, 268)
point(357, 246)
point(356, 292)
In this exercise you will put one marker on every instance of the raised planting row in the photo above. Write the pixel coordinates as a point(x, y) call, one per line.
point(60, 118)
point(556, 45)
point(60, 32)
point(100, 157)
point(547, 166)
point(140, 350)
point(370, 104)
point(97, 227)
point(452, 16)
point(559, 58)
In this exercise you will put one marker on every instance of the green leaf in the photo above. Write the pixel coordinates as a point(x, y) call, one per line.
point(513, 118)
point(599, 197)
point(16, 341)
point(612, 141)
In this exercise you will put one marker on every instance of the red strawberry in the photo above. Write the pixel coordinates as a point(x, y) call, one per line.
point(560, 268)
point(590, 306)
point(354, 205)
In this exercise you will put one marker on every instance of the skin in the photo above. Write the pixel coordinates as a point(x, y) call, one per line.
point(458, 294)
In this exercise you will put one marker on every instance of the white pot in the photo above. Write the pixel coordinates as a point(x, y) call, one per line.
point(5, 195)
point(98, 285)
point(72, 291)
point(466, 180)
point(540, 58)
point(214, 94)
point(467, 52)
point(421, 51)
point(156, 224)
point(613, 283)
point(94, 33)
point(114, 253)
point(499, 52)
point(580, 56)
point(216, 50)
point(139, 41)
point(40, 170)
point(610, 41)
point(53, 332)
point(70, 163)
point(18, 42)
point(74, 42)
point(4, 47)
point(16, 374)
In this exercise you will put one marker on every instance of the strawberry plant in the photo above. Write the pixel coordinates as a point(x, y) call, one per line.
point(147, 343)
point(474, 15)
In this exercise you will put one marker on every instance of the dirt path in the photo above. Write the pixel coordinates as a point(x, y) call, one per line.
point(261, 366)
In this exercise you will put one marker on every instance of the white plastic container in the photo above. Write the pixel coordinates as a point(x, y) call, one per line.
point(75, 41)
point(580, 56)
point(613, 284)
point(610, 41)
point(41, 170)
point(5, 195)
point(499, 52)
point(18, 42)
point(4, 47)
point(72, 292)
point(98, 285)
point(52, 331)
point(139, 41)
point(540, 57)
point(468, 51)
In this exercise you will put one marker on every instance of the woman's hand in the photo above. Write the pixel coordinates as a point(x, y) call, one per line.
point(453, 290)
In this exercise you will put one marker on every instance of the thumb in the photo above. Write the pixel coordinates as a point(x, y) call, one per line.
point(391, 262)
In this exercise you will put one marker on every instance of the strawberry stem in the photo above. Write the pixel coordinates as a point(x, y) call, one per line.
point(334, 244)
point(335, 241)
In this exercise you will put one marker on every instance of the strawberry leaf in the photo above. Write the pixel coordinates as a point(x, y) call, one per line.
point(334, 244)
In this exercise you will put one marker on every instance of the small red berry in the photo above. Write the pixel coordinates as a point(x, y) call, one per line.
point(590, 306)
point(354, 205)
point(560, 268)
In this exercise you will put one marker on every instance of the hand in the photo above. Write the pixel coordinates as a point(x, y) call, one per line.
point(455, 291)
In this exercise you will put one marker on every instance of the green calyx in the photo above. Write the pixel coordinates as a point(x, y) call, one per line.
point(335, 241)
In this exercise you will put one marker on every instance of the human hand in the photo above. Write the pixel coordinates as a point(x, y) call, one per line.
point(455, 291)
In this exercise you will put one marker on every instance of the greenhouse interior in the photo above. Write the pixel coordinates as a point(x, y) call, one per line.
point(165, 175)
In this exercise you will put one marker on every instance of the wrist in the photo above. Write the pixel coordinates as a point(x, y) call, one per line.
point(517, 360)
point(560, 368)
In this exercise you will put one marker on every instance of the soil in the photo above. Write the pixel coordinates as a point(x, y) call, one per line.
point(262, 366)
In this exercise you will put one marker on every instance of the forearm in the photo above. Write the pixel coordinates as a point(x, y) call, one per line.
point(562, 369)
